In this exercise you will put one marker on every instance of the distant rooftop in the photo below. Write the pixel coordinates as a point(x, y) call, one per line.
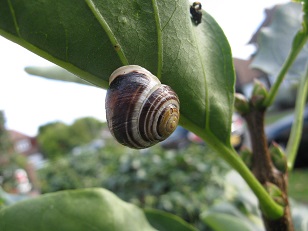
point(23, 144)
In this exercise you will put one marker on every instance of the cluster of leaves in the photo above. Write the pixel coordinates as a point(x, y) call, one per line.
point(87, 169)
point(170, 181)
point(175, 182)
point(57, 139)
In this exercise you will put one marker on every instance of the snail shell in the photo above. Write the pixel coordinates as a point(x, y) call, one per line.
point(140, 110)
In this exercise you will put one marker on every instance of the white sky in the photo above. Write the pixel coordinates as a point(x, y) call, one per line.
point(29, 101)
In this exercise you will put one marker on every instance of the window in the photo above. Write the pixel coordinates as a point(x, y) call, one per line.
point(22, 145)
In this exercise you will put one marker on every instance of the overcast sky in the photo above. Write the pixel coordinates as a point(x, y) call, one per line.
point(29, 101)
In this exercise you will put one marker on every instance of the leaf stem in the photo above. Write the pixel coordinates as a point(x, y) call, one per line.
point(296, 130)
point(159, 39)
point(298, 43)
point(268, 206)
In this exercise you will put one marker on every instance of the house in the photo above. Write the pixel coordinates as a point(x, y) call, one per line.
point(245, 76)
point(27, 146)
point(22, 143)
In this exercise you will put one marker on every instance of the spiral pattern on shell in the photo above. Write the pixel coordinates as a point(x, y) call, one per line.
point(140, 110)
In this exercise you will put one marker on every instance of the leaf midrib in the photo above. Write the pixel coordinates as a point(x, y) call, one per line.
point(159, 40)
point(14, 17)
point(108, 31)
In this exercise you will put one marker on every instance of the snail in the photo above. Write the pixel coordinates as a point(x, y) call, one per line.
point(140, 111)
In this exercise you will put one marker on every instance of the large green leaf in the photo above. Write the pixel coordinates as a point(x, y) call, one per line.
point(275, 41)
point(86, 209)
point(91, 38)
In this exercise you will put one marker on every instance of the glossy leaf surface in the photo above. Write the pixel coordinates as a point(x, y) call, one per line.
point(92, 38)
point(76, 210)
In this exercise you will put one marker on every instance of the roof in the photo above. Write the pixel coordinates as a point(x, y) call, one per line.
point(15, 135)
point(23, 143)
point(245, 74)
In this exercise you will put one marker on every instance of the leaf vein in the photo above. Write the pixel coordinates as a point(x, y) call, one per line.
point(108, 30)
point(159, 39)
point(171, 16)
point(206, 98)
point(14, 17)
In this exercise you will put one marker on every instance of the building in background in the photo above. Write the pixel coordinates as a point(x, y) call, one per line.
point(27, 146)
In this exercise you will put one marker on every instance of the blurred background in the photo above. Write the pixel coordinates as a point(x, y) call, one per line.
point(52, 138)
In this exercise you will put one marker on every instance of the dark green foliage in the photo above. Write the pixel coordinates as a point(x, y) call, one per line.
point(54, 139)
point(172, 181)
point(84, 130)
point(87, 169)
point(57, 139)
point(4, 138)
point(184, 183)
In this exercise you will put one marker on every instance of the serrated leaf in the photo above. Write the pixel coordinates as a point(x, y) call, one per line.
point(85, 209)
point(92, 38)
point(275, 41)
point(164, 221)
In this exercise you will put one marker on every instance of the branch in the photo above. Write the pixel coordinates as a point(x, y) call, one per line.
point(296, 131)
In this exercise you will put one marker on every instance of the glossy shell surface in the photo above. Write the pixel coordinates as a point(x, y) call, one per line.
point(140, 110)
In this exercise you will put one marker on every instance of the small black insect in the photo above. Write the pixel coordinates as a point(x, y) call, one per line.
point(195, 11)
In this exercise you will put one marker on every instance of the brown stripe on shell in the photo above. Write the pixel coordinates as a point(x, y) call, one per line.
point(137, 104)
point(120, 90)
point(164, 98)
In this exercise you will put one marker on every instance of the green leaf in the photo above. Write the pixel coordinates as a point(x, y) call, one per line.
point(55, 73)
point(225, 222)
point(92, 38)
point(164, 221)
point(275, 42)
point(85, 209)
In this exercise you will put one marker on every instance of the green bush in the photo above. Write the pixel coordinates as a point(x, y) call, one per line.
point(174, 181)
point(57, 138)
